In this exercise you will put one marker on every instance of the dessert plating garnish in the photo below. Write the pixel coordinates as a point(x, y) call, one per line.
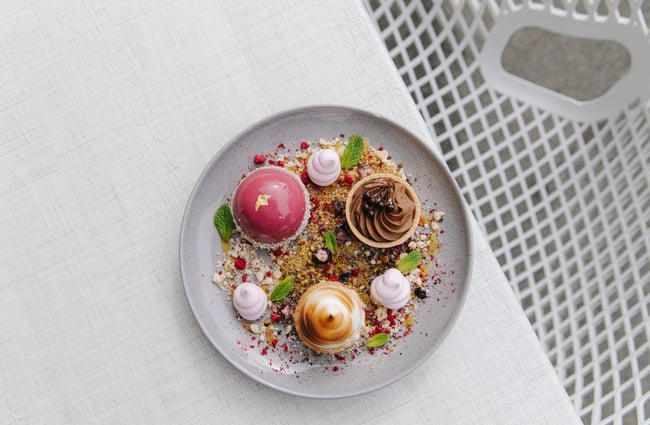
point(378, 197)
point(283, 289)
point(411, 261)
point(378, 340)
point(326, 250)
point(331, 242)
point(262, 200)
point(353, 152)
point(322, 256)
point(223, 222)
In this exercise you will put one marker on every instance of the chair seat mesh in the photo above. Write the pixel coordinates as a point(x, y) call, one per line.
point(564, 202)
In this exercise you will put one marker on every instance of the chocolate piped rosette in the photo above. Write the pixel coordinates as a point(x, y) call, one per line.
point(382, 210)
point(327, 249)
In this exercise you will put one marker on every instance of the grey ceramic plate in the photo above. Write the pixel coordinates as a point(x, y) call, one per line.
point(324, 376)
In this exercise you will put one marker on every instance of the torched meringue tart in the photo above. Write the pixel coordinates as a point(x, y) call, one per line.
point(329, 317)
point(382, 210)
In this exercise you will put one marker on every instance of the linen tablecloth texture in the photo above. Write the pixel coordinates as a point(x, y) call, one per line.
point(109, 110)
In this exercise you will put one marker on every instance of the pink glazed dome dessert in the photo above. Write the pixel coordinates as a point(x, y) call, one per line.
point(270, 207)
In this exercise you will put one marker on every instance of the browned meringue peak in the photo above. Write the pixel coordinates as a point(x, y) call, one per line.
point(382, 210)
point(329, 317)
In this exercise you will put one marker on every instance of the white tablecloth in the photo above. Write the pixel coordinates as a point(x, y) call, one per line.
point(109, 110)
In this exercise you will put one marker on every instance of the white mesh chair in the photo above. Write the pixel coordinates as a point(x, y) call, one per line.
point(561, 187)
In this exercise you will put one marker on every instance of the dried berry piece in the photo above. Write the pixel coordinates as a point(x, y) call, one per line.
point(240, 263)
point(304, 177)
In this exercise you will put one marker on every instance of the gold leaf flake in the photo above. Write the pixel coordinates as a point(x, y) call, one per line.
point(262, 200)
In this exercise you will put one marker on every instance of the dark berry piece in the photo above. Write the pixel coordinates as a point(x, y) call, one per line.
point(342, 235)
point(420, 293)
point(339, 207)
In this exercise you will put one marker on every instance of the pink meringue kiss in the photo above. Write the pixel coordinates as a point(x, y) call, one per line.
point(391, 289)
point(250, 301)
point(324, 167)
point(270, 207)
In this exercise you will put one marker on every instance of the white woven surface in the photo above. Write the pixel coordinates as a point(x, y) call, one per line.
point(108, 112)
point(561, 187)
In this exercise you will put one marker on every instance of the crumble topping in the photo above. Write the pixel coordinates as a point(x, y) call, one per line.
point(352, 263)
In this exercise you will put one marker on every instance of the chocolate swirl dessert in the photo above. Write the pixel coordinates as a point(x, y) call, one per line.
point(382, 210)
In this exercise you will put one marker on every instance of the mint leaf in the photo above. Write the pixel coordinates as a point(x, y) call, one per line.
point(411, 261)
point(223, 222)
point(352, 152)
point(330, 242)
point(282, 289)
point(378, 340)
